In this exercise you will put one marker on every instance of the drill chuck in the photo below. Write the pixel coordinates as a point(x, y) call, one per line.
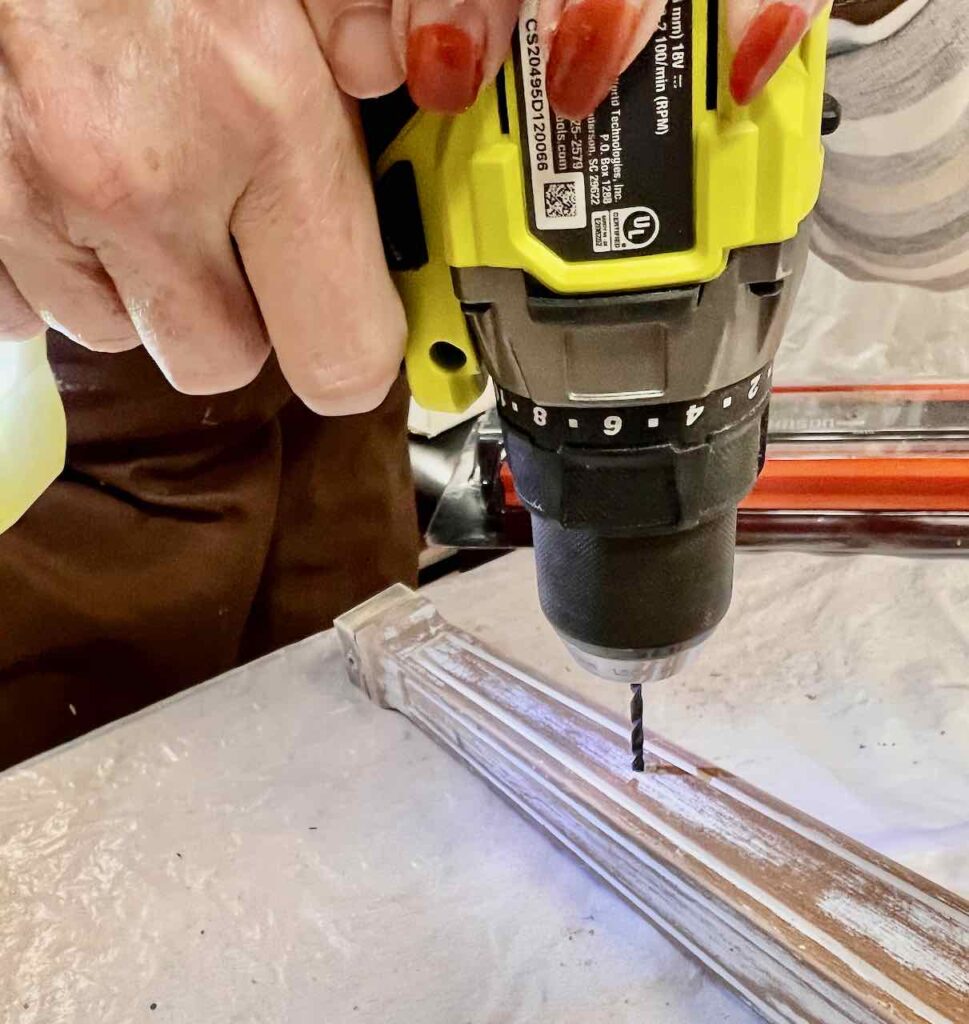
point(635, 532)
point(608, 596)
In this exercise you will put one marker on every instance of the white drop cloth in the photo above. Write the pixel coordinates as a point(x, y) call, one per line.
point(269, 847)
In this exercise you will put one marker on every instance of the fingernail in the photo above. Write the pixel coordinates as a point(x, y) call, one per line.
point(769, 40)
point(588, 48)
point(445, 51)
point(361, 52)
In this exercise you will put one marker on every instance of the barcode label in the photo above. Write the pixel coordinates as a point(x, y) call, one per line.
point(560, 202)
point(561, 199)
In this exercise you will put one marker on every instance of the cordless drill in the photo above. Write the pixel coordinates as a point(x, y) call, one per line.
point(625, 281)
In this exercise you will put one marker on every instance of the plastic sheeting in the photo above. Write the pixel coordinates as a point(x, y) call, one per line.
point(857, 332)
point(271, 847)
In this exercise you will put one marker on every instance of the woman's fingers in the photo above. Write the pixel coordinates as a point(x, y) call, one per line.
point(308, 237)
point(190, 303)
point(228, 210)
point(18, 322)
point(763, 33)
point(648, 24)
point(590, 43)
point(357, 37)
point(451, 47)
point(69, 289)
point(183, 296)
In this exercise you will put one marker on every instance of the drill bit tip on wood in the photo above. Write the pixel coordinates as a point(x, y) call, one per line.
point(636, 735)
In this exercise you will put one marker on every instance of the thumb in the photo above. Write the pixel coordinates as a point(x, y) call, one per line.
point(357, 39)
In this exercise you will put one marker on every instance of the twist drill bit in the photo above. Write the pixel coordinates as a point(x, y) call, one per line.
point(636, 737)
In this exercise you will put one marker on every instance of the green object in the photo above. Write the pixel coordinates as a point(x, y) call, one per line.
point(33, 431)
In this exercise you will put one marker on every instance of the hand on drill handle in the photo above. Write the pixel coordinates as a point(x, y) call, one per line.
point(189, 176)
point(447, 49)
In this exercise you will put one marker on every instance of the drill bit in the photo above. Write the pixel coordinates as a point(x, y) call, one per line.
point(636, 737)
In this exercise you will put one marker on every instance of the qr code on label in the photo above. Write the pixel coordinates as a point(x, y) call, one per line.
point(561, 199)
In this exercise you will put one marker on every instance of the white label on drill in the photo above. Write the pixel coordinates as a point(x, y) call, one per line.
point(634, 227)
point(559, 198)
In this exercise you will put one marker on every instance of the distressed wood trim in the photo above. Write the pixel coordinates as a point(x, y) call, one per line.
point(803, 923)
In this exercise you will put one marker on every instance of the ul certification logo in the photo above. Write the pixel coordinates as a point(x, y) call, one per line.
point(634, 227)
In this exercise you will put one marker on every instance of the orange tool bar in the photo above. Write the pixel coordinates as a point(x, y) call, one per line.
point(864, 485)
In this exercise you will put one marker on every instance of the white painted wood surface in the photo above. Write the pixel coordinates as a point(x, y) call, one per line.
point(804, 923)
point(839, 684)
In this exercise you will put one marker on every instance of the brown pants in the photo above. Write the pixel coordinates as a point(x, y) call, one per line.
point(187, 535)
point(864, 12)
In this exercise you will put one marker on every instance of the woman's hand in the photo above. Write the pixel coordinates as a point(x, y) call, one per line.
point(446, 49)
point(189, 177)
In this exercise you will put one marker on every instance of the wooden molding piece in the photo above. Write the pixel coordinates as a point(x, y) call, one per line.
point(805, 924)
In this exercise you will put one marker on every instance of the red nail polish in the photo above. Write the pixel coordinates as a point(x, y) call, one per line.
point(587, 53)
point(443, 68)
point(772, 35)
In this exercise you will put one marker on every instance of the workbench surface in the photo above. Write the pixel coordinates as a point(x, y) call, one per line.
point(270, 847)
